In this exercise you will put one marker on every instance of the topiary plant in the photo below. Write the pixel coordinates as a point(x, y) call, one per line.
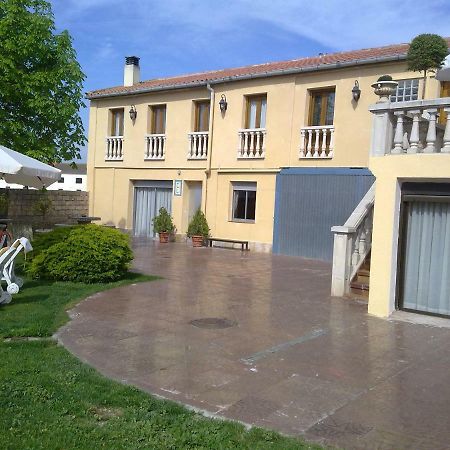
point(426, 52)
point(163, 223)
point(88, 253)
point(385, 78)
point(198, 225)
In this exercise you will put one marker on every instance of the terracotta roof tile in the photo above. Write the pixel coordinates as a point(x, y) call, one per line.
point(313, 62)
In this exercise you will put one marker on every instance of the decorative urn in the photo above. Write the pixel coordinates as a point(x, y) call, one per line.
point(384, 87)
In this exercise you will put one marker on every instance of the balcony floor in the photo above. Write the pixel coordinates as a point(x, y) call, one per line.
point(292, 358)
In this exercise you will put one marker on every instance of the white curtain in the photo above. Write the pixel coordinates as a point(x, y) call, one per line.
point(253, 107)
point(427, 258)
point(263, 113)
point(147, 202)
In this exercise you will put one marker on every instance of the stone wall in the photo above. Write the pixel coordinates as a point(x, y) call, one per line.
point(64, 205)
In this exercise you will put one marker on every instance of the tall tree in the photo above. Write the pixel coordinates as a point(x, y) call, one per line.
point(426, 52)
point(41, 84)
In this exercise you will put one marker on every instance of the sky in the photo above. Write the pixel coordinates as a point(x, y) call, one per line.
point(174, 37)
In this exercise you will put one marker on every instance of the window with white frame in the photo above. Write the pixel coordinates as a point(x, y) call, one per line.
point(406, 90)
point(243, 208)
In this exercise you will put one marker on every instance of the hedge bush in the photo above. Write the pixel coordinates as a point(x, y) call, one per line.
point(87, 253)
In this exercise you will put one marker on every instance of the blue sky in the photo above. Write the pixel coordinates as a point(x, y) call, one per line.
point(174, 37)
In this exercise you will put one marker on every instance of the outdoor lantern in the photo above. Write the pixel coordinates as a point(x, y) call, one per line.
point(356, 91)
point(223, 103)
point(133, 113)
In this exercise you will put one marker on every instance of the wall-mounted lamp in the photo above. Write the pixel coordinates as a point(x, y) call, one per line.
point(223, 103)
point(133, 113)
point(356, 91)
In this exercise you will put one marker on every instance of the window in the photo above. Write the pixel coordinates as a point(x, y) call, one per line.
point(78, 180)
point(117, 122)
point(406, 90)
point(158, 119)
point(201, 116)
point(61, 180)
point(244, 202)
point(321, 110)
point(256, 111)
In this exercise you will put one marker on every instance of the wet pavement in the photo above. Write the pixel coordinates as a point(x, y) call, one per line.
point(287, 356)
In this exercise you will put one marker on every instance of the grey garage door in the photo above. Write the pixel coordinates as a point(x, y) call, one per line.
point(308, 202)
point(148, 198)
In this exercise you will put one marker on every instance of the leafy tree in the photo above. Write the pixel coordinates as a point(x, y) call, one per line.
point(41, 84)
point(426, 52)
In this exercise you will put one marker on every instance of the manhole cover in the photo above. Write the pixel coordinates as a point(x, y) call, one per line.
point(213, 323)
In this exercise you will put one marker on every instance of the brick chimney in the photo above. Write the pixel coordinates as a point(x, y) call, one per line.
point(132, 72)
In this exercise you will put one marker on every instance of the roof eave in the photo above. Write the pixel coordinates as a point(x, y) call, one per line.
point(337, 65)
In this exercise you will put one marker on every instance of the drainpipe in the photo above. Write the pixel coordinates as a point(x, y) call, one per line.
point(210, 140)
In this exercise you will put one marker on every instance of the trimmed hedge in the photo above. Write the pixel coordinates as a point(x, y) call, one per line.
point(87, 253)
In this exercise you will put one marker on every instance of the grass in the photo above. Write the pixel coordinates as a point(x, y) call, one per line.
point(50, 400)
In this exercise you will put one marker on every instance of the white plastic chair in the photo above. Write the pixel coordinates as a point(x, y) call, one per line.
point(7, 257)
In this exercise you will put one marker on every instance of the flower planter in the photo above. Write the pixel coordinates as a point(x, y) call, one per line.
point(384, 89)
point(197, 241)
point(163, 237)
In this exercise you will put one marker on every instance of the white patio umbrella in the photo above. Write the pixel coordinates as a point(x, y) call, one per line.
point(21, 169)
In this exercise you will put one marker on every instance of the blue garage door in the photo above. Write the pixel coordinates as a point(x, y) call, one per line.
point(308, 202)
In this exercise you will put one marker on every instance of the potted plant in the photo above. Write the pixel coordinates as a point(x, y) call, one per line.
point(198, 229)
point(163, 225)
point(384, 87)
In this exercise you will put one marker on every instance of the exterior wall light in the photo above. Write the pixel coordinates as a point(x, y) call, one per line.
point(356, 91)
point(223, 103)
point(133, 113)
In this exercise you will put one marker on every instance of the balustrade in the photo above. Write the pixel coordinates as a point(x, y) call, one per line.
point(317, 142)
point(114, 148)
point(252, 143)
point(155, 146)
point(198, 145)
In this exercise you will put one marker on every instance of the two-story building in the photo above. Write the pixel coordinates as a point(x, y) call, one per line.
point(275, 153)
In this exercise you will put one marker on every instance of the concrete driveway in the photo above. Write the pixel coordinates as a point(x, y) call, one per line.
point(257, 338)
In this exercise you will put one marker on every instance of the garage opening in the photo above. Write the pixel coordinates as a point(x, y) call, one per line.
point(424, 262)
point(149, 197)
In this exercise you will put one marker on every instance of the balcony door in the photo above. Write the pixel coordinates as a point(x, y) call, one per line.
point(256, 111)
point(321, 111)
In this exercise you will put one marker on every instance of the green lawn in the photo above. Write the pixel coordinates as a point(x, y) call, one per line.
point(50, 400)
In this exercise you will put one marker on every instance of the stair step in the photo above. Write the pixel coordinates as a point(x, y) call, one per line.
point(365, 279)
point(359, 286)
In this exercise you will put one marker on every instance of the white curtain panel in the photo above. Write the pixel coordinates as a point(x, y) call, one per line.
point(427, 258)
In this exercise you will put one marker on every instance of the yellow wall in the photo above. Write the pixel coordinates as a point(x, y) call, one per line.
point(287, 111)
point(391, 171)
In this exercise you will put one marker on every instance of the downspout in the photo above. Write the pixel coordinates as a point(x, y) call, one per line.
point(210, 141)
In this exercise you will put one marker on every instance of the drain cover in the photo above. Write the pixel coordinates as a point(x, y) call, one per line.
point(213, 323)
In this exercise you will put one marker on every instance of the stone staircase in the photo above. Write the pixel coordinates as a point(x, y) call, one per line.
point(359, 286)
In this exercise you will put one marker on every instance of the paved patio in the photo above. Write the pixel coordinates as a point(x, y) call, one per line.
point(292, 358)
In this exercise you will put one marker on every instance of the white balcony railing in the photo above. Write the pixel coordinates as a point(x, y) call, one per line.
point(410, 127)
point(114, 148)
point(198, 145)
point(155, 147)
point(352, 243)
point(317, 142)
point(252, 143)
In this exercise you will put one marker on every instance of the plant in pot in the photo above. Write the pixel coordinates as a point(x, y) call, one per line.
point(198, 229)
point(163, 225)
point(384, 87)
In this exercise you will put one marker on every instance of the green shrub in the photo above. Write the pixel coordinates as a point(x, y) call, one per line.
point(45, 240)
point(163, 223)
point(88, 253)
point(198, 225)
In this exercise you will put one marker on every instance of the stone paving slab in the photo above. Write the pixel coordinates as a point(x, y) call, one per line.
point(294, 359)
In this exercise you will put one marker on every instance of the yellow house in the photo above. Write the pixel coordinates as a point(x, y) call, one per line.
point(274, 154)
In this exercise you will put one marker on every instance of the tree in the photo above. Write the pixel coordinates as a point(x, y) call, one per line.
point(41, 84)
point(426, 52)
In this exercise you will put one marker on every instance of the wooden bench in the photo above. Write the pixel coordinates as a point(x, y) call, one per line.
point(232, 241)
